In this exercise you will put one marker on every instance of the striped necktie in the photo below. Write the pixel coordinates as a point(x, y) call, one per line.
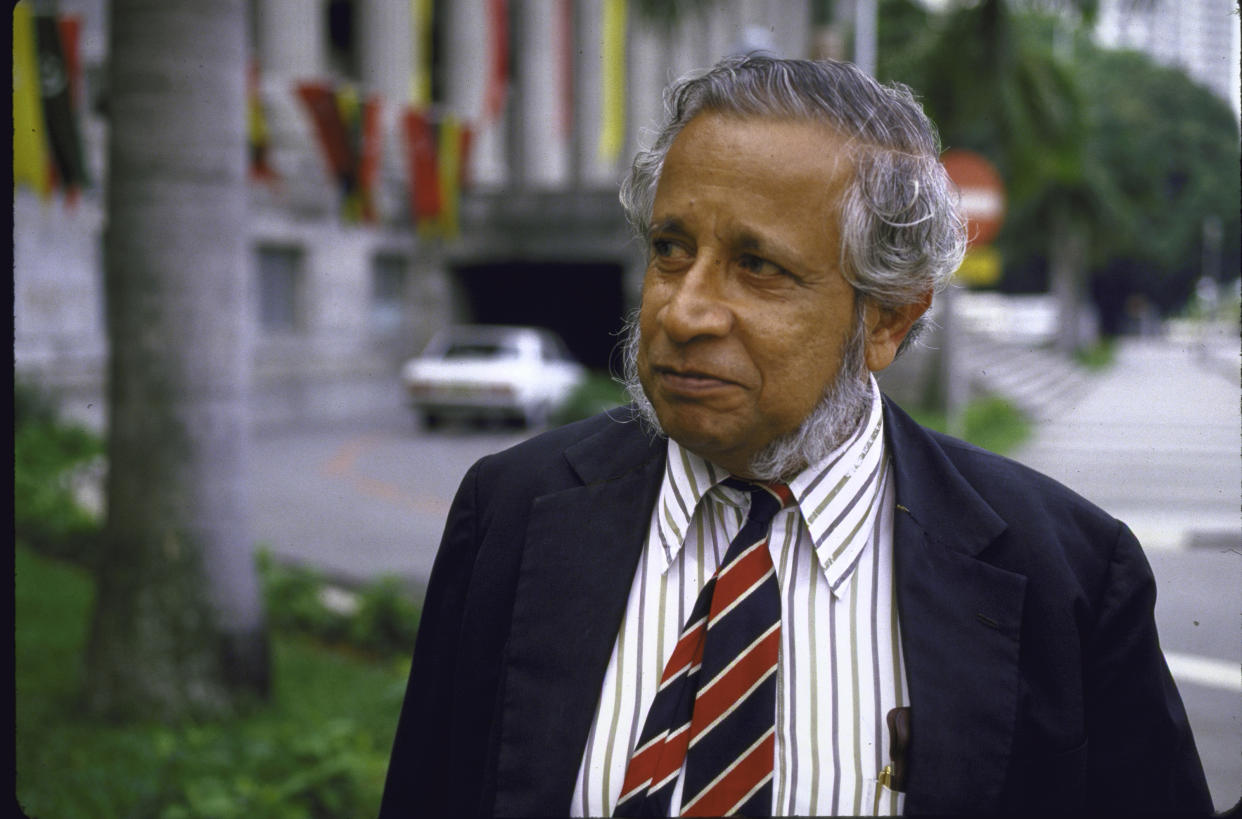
point(715, 709)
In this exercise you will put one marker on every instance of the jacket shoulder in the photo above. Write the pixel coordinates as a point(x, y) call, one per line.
point(604, 446)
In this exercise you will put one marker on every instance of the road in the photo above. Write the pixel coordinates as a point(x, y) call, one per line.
point(1155, 441)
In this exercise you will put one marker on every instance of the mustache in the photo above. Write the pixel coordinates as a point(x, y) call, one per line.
point(843, 407)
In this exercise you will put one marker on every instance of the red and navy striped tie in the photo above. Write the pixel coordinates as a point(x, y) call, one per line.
point(715, 709)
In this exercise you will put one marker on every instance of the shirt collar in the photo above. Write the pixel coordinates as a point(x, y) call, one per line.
point(837, 497)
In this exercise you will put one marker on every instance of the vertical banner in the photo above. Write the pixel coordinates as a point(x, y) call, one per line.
point(438, 158)
point(450, 175)
point(369, 148)
point(349, 134)
point(422, 20)
point(498, 59)
point(59, 114)
point(70, 33)
point(256, 128)
point(347, 110)
point(321, 102)
point(612, 109)
point(30, 160)
point(424, 180)
point(467, 146)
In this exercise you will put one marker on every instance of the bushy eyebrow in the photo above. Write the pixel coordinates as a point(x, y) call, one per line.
point(752, 243)
point(670, 225)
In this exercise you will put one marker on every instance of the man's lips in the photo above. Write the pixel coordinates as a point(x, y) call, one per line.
point(690, 381)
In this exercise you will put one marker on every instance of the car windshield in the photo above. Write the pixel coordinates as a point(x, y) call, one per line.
point(479, 349)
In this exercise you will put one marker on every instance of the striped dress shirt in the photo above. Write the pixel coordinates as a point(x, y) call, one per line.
point(840, 668)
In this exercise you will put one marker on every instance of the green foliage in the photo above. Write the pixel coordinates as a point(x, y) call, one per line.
point(294, 600)
point(380, 620)
point(46, 455)
point(990, 422)
point(994, 424)
point(311, 753)
point(1170, 149)
point(1137, 154)
point(1099, 356)
point(386, 620)
point(597, 393)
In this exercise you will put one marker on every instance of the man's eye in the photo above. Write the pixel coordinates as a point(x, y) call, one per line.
point(757, 266)
point(667, 249)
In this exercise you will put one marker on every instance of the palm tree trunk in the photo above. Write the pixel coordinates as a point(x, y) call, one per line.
point(1067, 261)
point(178, 625)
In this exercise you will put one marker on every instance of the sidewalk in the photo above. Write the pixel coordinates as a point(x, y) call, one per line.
point(1156, 441)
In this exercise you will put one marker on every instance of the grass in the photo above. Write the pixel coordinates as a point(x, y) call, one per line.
point(319, 748)
point(597, 393)
point(1099, 356)
point(990, 422)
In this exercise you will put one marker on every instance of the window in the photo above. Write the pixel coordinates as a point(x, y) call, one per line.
point(389, 274)
point(280, 284)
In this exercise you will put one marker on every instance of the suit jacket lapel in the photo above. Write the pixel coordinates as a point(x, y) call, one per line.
point(960, 624)
point(582, 546)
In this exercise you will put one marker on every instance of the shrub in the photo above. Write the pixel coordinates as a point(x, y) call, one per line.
point(48, 457)
point(318, 749)
point(594, 395)
point(294, 600)
point(386, 620)
point(380, 619)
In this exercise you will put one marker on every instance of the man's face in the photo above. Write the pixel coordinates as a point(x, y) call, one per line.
point(744, 311)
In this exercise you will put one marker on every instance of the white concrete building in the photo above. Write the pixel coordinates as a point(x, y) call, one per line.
point(338, 305)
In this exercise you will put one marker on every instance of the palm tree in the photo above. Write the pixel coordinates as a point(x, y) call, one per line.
point(177, 626)
point(1012, 97)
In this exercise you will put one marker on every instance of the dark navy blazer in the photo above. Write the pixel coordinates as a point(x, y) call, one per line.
point(1036, 681)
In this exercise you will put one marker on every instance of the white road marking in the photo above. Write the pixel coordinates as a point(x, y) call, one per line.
point(1195, 670)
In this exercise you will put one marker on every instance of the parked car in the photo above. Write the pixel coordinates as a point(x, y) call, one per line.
point(491, 371)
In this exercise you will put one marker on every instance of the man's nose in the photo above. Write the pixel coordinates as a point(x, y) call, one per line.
point(697, 307)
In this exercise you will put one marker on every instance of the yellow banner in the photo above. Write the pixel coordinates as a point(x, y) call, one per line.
point(421, 12)
point(981, 267)
point(450, 175)
point(29, 152)
point(612, 109)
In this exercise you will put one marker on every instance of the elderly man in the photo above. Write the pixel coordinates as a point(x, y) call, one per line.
point(763, 589)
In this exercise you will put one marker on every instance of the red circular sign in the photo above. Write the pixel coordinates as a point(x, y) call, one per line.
point(982, 193)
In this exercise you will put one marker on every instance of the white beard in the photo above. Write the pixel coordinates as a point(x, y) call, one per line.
point(845, 404)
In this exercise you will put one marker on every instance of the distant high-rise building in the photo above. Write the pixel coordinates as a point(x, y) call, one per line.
point(1198, 36)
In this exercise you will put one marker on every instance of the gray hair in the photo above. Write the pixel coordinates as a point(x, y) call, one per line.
point(901, 233)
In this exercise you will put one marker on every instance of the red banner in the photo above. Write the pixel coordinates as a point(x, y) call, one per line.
point(420, 140)
point(498, 75)
point(369, 157)
point(350, 135)
point(60, 114)
point(320, 100)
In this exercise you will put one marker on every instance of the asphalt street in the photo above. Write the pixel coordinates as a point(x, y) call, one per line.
point(1155, 441)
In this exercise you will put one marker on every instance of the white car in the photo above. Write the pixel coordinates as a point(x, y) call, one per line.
point(491, 371)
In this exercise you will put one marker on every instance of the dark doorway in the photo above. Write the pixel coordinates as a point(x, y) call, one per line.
point(581, 301)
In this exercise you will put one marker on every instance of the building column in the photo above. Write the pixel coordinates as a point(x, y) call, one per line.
point(386, 49)
point(290, 37)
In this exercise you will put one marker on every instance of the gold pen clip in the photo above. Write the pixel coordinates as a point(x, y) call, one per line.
point(886, 776)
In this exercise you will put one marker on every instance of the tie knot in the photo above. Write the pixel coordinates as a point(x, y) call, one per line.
point(766, 499)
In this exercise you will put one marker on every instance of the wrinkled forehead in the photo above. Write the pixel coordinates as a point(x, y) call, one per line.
point(804, 161)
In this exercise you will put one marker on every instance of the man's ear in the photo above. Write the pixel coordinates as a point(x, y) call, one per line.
point(886, 329)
